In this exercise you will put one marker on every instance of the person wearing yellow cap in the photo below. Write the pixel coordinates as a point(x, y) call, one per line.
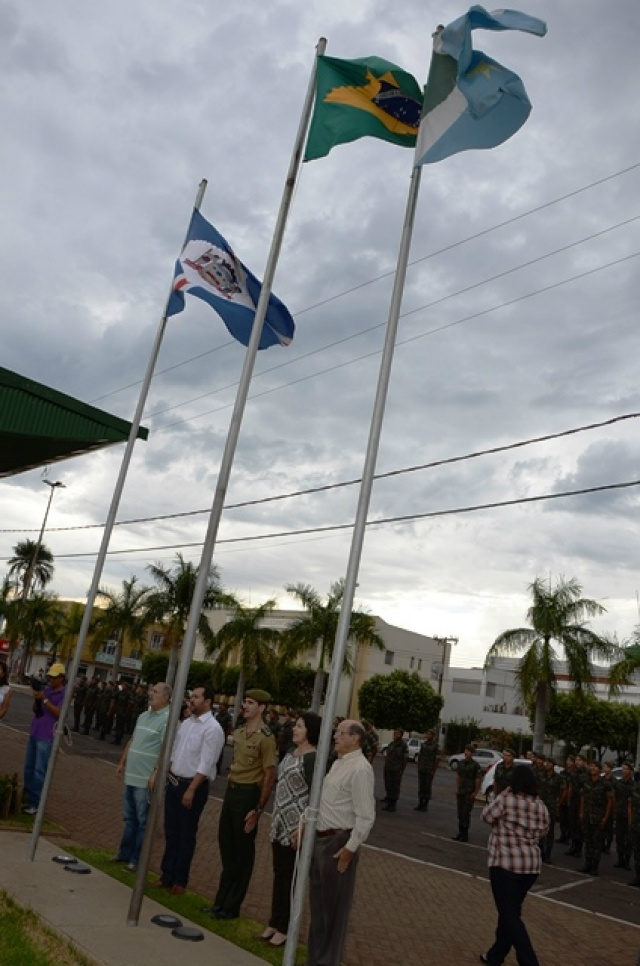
point(47, 702)
point(251, 778)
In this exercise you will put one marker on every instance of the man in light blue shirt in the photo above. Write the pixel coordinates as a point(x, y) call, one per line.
point(137, 764)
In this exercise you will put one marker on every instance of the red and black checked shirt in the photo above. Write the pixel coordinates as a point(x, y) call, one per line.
point(517, 823)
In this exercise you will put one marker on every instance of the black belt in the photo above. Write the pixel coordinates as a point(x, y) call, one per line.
point(326, 832)
point(233, 784)
point(178, 779)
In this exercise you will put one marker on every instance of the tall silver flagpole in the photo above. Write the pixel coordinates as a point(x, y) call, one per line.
point(189, 642)
point(342, 632)
point(97, 573)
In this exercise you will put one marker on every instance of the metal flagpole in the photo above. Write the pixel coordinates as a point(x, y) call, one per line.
point(189, 642)
point(342, 632)
point(97, 573)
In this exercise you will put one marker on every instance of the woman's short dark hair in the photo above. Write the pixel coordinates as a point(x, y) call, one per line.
point(523, 781)
point(312, 722)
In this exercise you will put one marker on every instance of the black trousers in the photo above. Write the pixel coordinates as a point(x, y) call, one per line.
point(237, 847)
point(330, 898)
point(425, 781)
point(180, 830)
point(464, 804)
point(392, 782)
point(509, 892)
point(284, 861)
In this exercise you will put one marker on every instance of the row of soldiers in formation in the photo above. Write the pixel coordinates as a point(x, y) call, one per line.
point(106, 707)
point(591, 807)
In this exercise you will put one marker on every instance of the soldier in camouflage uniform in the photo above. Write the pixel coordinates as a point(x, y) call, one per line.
point(550, 789)
point(577, 780)
point(105, 710)
point(468, 781)
point(79, 694)
point(634, 831)
point(596, 804)
point(427, 764)
point(504, 771)
point(90, 704)
point(622, 790)
point(121, 709)
point(607, 775)
point(563, 807)
point(395, 763)
point(371, 741)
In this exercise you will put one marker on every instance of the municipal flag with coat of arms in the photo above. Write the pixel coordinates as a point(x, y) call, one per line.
point(209, 269)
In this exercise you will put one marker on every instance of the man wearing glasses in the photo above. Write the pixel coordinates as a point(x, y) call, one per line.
point(346, 815)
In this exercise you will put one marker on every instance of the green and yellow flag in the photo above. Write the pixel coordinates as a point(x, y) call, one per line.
point(360, 98)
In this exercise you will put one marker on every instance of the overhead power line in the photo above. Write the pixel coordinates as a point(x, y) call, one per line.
point(447, 461)
point(408, 518)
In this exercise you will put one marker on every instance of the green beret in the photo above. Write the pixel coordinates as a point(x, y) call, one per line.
point(262, 697)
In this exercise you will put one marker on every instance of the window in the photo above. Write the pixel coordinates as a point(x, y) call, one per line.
point(156, 641)
point(412, 661)
point(465, 686)
point(389, 656)
point(419, 663)
point(491, 690)
point(110, 647)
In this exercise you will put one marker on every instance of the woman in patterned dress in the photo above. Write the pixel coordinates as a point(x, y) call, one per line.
point(295, 774)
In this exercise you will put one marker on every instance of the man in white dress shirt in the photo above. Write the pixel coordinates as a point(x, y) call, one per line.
point(198, 743)
point(346, 816)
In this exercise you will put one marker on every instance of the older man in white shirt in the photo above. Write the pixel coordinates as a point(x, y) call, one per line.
point(346, 816)
point(198, 743)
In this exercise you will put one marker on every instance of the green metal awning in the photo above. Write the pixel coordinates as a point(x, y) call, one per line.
point(39, 425)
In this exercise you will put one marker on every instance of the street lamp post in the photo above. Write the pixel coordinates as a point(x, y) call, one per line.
point(28, 577)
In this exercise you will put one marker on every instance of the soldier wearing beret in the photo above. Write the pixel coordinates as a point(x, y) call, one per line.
point(468, 780)
point(251, 778)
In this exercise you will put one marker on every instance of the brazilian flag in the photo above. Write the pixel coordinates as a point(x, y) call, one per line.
point(360, 98)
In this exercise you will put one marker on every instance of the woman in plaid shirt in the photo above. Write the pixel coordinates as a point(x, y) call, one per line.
point(518, 819)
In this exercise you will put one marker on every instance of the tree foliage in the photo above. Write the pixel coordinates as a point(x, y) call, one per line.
point(399, 700)
point(557, 613)
point(583, 720)
point(31, 563)
point(318, 627)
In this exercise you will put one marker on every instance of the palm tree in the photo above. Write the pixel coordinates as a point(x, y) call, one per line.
point(556, 614)
point(69, 630)
point(37, 622)
point(32, 564)
point(318, 628)
point(627, 665)
point(125, 618)
point(256, 647)
point(170, 604)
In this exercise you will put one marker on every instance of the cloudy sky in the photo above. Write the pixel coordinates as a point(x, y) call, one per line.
point(519, 314)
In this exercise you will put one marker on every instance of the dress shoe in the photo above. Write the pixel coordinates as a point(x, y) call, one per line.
point(278, 939)
point(223, 914)
point(177, 890)
point(212, 910)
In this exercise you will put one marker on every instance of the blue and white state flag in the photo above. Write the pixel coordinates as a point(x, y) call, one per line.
point(472, 101)
point(209, 269)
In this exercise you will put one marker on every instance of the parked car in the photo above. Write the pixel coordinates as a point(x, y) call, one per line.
point(414, 747)
point(486, 788)
point(486, 757)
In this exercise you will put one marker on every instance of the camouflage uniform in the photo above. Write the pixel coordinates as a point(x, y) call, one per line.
point(550, 790)
point(121, 708)
point(595, 798)
point(634, 830)
point(622, 790)
point(105, 711)
point(395, 763)
point(576, 782)
point(427, 764)
point(468, 774)
point(90, 704)
point(370, 744)
point(502, 777)
point(79, 694)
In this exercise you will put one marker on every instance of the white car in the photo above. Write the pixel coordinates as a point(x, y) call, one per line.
point(486, 757)
point(486, 788)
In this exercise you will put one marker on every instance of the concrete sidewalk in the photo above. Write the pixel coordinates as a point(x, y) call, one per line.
point(91, 911)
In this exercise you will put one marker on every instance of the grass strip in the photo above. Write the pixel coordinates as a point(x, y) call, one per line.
point(26, 941)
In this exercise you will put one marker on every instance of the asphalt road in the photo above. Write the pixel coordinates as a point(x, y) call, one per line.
point(428, 836)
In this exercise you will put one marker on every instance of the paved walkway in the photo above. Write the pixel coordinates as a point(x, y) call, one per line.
point(406, 912)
